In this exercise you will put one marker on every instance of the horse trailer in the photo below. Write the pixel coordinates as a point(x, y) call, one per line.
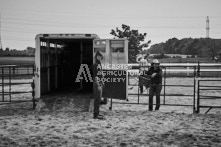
point(63, 60)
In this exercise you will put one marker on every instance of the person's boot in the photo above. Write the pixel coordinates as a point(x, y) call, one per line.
point(157, 108)
point(98, 117)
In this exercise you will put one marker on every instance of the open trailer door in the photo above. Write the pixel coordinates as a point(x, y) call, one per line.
point(38, 67)
point(115, 65)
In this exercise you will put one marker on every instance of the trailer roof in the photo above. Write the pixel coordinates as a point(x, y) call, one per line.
point(67, 36)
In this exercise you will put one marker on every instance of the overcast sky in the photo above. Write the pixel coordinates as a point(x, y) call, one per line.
point(22, 20)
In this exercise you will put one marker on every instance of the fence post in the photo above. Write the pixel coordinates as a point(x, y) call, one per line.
point(164, 87)
point(10, 84)
point(3, 84)
point(198, 70)
point(194, 92)
point(138, 100)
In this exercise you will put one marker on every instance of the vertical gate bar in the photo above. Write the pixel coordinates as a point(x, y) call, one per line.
point(138, 89)
point(3, 84)
point(10, 83)
point(198, 96)
point(164, 87)
point(138, 93)
point(138, 100)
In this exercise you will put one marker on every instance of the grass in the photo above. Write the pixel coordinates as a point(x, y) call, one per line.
point(16, 60)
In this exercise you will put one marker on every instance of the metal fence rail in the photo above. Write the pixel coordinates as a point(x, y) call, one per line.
point(208, 88)
point(9, 77)
point(185, 69)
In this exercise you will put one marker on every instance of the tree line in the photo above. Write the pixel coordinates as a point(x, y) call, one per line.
point(201, 47)
point(28, 52)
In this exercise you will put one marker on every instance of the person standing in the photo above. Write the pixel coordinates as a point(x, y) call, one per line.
point(97, 84)
point(155, 73)
point(143, 63)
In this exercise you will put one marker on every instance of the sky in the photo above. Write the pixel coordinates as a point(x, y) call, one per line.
point(22, 20)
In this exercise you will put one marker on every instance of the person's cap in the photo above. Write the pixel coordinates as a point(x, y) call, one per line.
point(155, 61)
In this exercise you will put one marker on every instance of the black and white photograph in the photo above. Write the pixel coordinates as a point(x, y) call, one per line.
point(110, 73)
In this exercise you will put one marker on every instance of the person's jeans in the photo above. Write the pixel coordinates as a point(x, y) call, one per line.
point(154, 89)
point(97, 94)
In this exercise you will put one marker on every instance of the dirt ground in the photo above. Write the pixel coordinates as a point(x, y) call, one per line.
point(126, 125)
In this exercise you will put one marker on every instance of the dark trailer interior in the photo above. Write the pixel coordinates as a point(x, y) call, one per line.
point(60, 61)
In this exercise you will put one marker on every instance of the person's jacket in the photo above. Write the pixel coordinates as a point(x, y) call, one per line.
point(97, 73)
point(158, 78)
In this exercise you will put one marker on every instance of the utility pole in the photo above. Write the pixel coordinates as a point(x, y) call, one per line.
point(210, 41)
point(0, 34)
point(207, 27)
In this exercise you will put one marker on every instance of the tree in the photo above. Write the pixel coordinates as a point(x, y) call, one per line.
point(7, 49)
point(213, 48)
point(135, 39)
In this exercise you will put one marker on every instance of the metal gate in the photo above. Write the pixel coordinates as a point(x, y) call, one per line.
point(16, 84)
point(192, 74)
point(208, 90)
